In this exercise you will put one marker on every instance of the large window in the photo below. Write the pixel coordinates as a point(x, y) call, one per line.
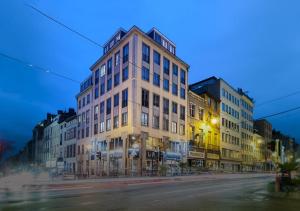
point(144, 119)
point(117, 58)
point(124, 98)
point(174, 89)
point(116, 79)
point(156, 100)
point(96, 92)
point(166, 66)
point(192, 109)
point(156, 121)
point(125, 53)
point(102, 88)
point(145, 74)
point(182, 112)
point(124, 118)
point(174, 107)
point(174, 127)
point(182, 93)
point(156, 79)
point(116, 121)
point(175, 69)
point(109, 66)
point(101, 127)
point(156, 57)
point(97, 76)
point(108, 106)
point(109, 84)
point(165, 124)
point(108, 124)
point(166, 84)
point(125, 74)
point(116, 100)
point(182, 76)
point(145, 98)
point(166, 106)
point(96, 110)
point(146, 53)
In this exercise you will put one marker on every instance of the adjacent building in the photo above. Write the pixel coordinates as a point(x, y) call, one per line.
point(203, 131)
point(230, 120)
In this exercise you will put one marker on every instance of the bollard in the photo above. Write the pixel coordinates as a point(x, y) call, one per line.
point(277, 183)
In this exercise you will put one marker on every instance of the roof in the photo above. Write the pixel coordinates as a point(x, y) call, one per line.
point(129, 32)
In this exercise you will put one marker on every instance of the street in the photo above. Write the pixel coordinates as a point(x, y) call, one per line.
point(229, 192)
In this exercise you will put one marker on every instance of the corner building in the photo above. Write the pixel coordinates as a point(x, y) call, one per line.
point(135, 118)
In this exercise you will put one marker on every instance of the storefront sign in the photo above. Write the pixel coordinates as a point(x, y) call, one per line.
point(194, 154)
point(213, 156)
point(173, 156)
point(116, 155)
point(154, 155)
point(134, 152)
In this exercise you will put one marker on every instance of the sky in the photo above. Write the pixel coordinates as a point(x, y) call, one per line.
point(251, 44)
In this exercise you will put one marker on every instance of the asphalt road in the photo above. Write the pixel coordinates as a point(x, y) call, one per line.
point(176, 194)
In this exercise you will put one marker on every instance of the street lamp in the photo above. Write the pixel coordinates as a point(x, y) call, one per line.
point(214, 121)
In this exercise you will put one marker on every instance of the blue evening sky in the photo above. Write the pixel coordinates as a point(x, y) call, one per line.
point(252, 44)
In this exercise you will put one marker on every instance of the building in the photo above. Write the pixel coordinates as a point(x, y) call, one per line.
point(230, 119)
point(132, 109)
point(246, 118)
point(203, 131)
point(259, 145)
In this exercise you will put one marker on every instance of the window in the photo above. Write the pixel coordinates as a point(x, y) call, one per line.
point(165, 124)
point(79, 104)
point(165, 106)
point(223, 107)
point(108, 106)
point(87, 130)
point(146, 53)
point(101, 127)
point(95, 128)
point(83, 101)
point(96, 109)
point(116, 100)
point(144, 119)
point(155, 122)
point(96, 92)
point(182, 76)
point(174, 107)
point(182, 93)
point(182, 129)
point(102, 70)
point(124, 98)
point(117, 58)
point(192, 109)
point(145, 98)
point(124, 118)
point(201, 113)
point(116, 79)
point(166, 66)
point(174, 127)
point(174, 89)
point(156, 79)
point(109, 66)
point(97, 76)
point(125, 53)
point(88, 99)
point(175, 69)
point(116, 121)
point(102, 107)
point(156, 57)
point(109, 84)
point(102, 88)
point(108, 124)
point(145, 74)
point(156, 100)
point(182, 112)
point(125, 74)
point(166, 84)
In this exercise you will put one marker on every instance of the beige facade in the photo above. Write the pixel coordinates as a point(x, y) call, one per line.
point(133, 120)
point(203, 131)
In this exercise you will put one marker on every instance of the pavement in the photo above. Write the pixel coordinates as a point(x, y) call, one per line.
point(201, 192)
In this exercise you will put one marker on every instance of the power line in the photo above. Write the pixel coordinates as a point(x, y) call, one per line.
point(38, 68)
point(279, 98)
point(279, 113)
point(87, 38)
